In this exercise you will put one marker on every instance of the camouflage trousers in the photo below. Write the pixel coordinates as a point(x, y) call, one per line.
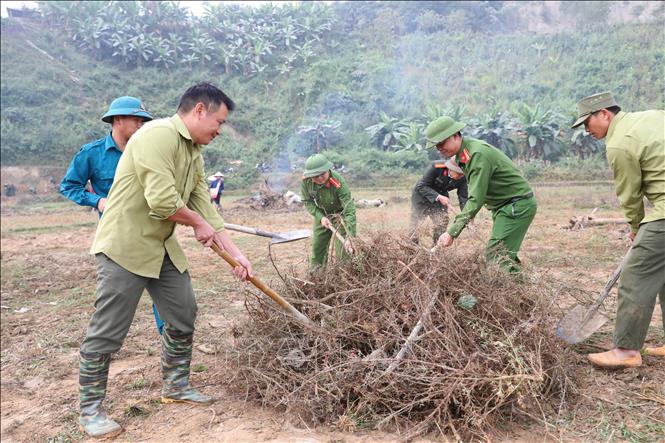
point(93, 376)
point(176, 358)
point(94, 370)
point(419, 213)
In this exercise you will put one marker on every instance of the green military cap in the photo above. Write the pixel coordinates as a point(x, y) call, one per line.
point(589, 105)
point(315, 165)
point(440, 129)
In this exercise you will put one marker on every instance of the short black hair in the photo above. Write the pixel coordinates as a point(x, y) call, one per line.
point(211, 96)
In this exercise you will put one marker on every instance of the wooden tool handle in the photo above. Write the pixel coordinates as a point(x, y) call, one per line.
point(248, 230)
point(285, 305)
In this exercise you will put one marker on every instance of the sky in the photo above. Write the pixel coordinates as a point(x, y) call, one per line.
point(196, 7)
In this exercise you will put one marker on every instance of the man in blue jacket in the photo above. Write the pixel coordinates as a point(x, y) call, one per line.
point(96, 161)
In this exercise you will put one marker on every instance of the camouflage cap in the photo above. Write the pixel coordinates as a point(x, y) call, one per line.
point(589, 105)
point(440, 129)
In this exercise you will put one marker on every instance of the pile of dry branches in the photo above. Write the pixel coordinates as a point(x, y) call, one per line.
point(397, 349)
point(268, 200)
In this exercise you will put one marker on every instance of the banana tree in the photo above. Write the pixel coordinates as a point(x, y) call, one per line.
point(321, 132)
point(496, 128)
point(201, 45)
point(190, 59)
point(123, 48)
point(142, 45)
point(163, 55)
point(541, 130)
point(410, 137)
point(386, 133)
point(584, 145)
point(175, 44)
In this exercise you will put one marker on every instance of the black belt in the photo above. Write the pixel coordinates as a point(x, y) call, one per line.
point(516, 199)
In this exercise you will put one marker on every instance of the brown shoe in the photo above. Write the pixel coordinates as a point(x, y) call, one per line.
point(656, 352)
point(610, 360)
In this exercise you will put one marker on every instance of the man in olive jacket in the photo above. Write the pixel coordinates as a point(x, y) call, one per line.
point(327, 198)
point(494, 181)
point(159, 182)
point(635, 147)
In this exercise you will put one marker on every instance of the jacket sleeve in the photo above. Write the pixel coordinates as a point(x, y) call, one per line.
point(73, 185)
point(154, 155)
point(627, 181)
point(309, 202)
point(425, 186)
point(348, 208)
point(479, 175)
point(462, 193)
point(199, 200)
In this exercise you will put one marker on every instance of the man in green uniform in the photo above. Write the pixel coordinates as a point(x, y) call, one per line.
point(430, 193)
point(494, 181)
point(159, 182)
point(635, 146)
point(328, 199)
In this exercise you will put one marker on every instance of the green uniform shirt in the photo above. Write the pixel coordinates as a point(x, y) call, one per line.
point(327, 199)
point(636, 152)
point(493, 180)
point(160, 171)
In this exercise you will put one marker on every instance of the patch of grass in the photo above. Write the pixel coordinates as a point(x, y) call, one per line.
point(136, 411)
point(199, 367)
point(53, 228)
point(138, 384)
point(60, 437)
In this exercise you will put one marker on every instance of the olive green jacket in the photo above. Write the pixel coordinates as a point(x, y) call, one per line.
point(160, 171)
point(328, 199)
point(635, 146)
point(493, 180)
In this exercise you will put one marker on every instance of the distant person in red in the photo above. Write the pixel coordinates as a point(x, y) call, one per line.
point(216, 188)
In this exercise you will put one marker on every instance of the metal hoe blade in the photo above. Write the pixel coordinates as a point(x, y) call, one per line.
point(580, 323)
point(283, 237)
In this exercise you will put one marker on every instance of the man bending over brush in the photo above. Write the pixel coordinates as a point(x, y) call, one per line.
point(328, 199)
point(493, 181)
point(635, 146)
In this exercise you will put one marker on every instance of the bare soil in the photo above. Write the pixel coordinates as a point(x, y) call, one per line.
point(48, 291)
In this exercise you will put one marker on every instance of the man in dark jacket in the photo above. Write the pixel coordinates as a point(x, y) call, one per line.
point(427, 201)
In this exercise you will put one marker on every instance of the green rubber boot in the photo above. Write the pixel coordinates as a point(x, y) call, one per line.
point(176, 357)
point(93, 375)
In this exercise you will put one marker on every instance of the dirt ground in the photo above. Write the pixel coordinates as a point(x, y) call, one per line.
point(48, 285)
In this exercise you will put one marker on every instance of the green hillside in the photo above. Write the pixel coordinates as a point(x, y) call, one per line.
point(356, 79)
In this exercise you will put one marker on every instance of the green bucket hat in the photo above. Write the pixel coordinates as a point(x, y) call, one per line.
point(315, 165)
point(589, 105)
point(440, 129)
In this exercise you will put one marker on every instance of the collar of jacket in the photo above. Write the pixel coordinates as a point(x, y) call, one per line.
point(463, 154)
point(109, 143)
point(334, 182)
point(613, 124)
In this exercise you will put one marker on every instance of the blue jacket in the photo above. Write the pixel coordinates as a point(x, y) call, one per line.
point(96, 161)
